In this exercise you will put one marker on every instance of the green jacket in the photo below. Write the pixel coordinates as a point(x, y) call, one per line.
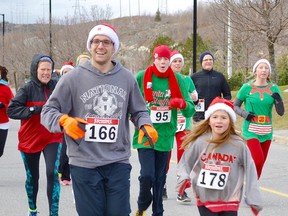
point(166, 131)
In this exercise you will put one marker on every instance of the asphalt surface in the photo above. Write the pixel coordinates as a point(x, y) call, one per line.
point(13, 198)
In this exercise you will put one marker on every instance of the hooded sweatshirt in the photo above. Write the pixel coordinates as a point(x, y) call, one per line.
point(33, 137)
point(227, 194)
point(106, 98)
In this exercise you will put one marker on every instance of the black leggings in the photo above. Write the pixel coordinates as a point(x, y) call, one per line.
point(64, 167)
point(206, 212)
point(3, 137)
point(31, 161)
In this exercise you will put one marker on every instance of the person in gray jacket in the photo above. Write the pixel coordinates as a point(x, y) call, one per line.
point(93, 106)
point(216, 161)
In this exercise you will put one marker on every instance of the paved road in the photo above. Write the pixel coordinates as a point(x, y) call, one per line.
point(13, 199)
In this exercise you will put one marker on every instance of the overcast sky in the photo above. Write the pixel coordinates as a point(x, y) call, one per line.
point(31, 11)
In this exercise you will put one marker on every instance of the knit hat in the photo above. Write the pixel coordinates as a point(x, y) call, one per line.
point(161, 51)
point(81, 56)
point(65, 66)
point(175, 54)
point(259, 62)
point(221, 104)
point(204, 54)
point(106, 30)
point(46, 59)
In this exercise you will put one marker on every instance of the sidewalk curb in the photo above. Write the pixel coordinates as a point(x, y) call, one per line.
point(280, 139)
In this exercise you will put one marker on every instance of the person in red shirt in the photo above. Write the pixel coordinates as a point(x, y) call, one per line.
point(5, 96)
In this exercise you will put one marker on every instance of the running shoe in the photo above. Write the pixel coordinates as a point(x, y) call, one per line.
point(66, 182)
point(140, 213)
point(184, 198)
point(164, 196)
point(32, 212)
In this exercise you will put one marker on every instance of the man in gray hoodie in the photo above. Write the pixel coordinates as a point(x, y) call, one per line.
point(100, 95)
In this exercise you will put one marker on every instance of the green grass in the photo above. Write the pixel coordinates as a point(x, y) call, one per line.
point(279, 122)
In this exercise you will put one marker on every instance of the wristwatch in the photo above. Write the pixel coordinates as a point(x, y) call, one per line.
point(32, 109)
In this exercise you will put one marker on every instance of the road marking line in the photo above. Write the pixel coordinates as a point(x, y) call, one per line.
point(262, 188)
point(274, 192)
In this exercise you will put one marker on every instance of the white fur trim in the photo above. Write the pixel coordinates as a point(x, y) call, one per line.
point(64, 67)
point(103, 30)
point(178, 55)
point(220, 106)
point(259, 62)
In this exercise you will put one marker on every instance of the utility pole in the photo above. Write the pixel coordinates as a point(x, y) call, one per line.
point(50, 30)
point(194, 36)
point(139, 7)
point(229, 51)
point(120, 10)
point(77, 13)
point(3, 28)
point(129, 9)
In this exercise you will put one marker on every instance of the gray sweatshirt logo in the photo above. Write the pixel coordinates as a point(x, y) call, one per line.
point(105, 104)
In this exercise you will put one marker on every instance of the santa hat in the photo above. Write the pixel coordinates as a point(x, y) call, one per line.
point(65, 66)
point(259, 62)
point(175, 54)
point(203, 54)
point(106, 30)
point(161, 51)
point(221, 104)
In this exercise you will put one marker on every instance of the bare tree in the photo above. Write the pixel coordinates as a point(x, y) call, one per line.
point(98, 13)
point(265, 19)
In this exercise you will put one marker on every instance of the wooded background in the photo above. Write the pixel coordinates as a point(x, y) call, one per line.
point(259, 28)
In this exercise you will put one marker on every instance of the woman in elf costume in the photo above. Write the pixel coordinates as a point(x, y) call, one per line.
point(164, 93)
point(259, 96)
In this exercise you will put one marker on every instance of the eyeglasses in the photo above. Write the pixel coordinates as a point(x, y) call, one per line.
point(105, 43)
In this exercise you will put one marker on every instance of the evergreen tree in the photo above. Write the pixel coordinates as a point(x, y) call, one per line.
point(158, 16)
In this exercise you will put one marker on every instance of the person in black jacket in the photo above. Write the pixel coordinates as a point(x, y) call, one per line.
point(33, 137)
point(209, 84)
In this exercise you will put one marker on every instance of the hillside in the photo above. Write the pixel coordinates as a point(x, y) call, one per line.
point(136, 34)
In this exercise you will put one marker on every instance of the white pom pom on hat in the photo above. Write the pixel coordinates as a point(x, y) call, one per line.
point(221, 104)
point(262, 61)
point(106, 30)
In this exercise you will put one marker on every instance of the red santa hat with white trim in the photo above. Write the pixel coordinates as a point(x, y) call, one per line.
point(106, 30)
point(66, 65)
point(221, 104)
point(175, 54)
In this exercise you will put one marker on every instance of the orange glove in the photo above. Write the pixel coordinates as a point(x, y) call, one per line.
point(72, 126)
point(181, 186)
point(178, 103)
point(150, 133)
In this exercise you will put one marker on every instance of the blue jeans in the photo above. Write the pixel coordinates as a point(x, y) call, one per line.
point(152, 176)
point(102, 191)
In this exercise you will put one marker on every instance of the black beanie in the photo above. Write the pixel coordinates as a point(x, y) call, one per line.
point(204, 54)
